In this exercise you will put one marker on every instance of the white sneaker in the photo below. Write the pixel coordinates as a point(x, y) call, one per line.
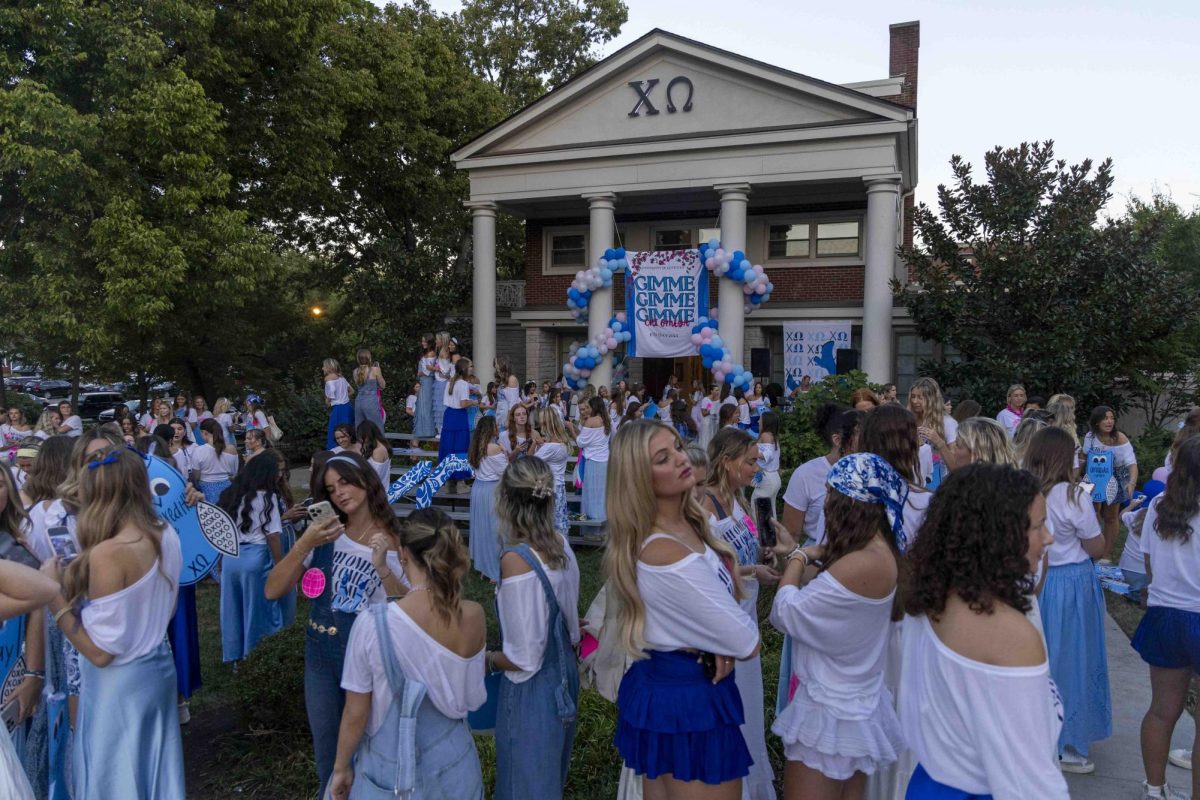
point(1181, 758)
point(1070, 761)
point(185, 716)
point(1164, 792)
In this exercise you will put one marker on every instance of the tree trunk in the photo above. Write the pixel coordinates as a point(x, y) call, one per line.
point(76, 369)
point(143, 385)
point(3, 385)
point(199, 387)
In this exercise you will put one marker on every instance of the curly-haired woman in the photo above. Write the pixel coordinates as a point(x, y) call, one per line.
point(977, 705)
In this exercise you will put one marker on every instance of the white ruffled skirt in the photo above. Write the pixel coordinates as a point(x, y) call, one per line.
point(835, 744)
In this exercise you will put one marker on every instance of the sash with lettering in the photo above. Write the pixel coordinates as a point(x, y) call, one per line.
point(666, 291)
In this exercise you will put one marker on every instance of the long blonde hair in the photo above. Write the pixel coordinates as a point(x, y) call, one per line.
point(933, 407)
point(442, 343)
point(551, 426)
point(114, 491)
point(1062, 408)
point(987, 441)
point(365, 365)
point(727, 444)
point(631, 514)
point(220, 407)
point(525, 509)
point(332, 367)
point(433, 539)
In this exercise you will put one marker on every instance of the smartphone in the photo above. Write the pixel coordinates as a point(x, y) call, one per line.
point(63, 544)
point(762, 512)
point(320, 511)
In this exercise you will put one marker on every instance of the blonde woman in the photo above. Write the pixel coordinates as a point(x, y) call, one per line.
point(537, 602)
point(555, 449)
point(48, 423)
point(733, 463)
point(936, 428)
point(1010, 415)
point(1062, 408)
point(116, 601)
point(368, 377)
point(441, 376)
point(337, 399)
point(1029, 426)
point(983, 439)
point(676, 614)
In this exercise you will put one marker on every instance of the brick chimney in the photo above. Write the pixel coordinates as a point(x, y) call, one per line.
point(905, 41)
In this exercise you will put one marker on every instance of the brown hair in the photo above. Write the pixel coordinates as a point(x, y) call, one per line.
point(433, 539)
point(1190, 427)
point(525, 509)
point(355, 470)
point(49, 469)
point(1051, 459)
point(1181, 499)
point(864, 395)
point(890, 432)
point(484, 434)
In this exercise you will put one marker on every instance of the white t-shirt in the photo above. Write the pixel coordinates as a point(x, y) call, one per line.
point(257, 420)
point(355, 581)
point(1069, 522)
point(593, 443)
point(75, 424)
point(689, 604)
point(410, 404)
point(491, 468)
point(132, 622)
point(525, 614)
point(744, 413)
point(979, 728)
point(1123, 454)
point(452, 683)
point(1174, 564)
point(337, 391)
point(260, 525)
point(555, 455)
point(806, 492)
point(225, 420)
point(205, 458)
point(185, 459)
point(1132, 558)
point(914, 512)
point(454, 397)
point(925, 453)
point(768, 456)
point(664, 412)
point(1009, 420)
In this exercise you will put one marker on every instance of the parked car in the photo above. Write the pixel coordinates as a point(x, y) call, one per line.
point(93, 404)
point(111, 413)
point(54, 389)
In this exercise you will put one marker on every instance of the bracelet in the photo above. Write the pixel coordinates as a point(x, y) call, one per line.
point(60, 613)
point(383, 577)
point(35, 673)
point(798, 552)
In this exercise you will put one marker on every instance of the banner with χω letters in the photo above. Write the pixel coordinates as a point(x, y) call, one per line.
point(665, 293)
point(808, 348)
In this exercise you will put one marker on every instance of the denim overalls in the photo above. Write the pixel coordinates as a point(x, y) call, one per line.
point(325, 641)
point(418, 753)
point(535, 721)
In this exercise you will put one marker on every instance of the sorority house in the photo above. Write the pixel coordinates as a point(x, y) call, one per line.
point(671, 142)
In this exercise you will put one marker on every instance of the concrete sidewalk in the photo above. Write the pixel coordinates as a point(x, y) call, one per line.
point(1119, 773)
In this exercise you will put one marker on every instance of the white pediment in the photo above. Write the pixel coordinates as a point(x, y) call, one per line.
point(642, 93)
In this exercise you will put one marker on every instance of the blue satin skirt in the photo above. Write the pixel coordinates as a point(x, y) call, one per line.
point(127, 740)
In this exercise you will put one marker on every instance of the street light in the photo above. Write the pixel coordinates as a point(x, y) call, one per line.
point(316, 311)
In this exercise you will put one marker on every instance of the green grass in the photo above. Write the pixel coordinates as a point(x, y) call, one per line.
point(249, 735)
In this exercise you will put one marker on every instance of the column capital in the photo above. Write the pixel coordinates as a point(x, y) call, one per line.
point(600, 199)
point(733, 191)
point(481, 208)
point(883, 183)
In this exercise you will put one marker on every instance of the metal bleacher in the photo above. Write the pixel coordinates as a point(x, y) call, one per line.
point(407, 449)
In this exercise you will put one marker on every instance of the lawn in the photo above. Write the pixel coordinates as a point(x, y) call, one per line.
point(249, 735)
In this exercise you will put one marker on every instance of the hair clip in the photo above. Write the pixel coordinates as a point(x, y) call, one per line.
point(111, 458)
point(542, 489)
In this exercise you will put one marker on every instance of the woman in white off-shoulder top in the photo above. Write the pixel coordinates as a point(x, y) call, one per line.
point(127, 741)
point(677, 614)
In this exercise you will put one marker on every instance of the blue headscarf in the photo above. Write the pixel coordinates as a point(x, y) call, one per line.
point(869, 479)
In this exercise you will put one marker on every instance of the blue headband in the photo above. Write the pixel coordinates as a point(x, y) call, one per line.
point(869, 479)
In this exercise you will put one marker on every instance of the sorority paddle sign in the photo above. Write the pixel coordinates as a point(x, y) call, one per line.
point(205, 531)
point(12, 660)
point(666, 292)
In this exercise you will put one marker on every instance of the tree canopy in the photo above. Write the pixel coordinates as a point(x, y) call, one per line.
point(180, 181)
point(1025, 282)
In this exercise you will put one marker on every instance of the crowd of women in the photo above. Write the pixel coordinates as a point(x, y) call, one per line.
point(943, 619)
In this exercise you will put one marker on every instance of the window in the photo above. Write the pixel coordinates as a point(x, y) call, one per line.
point(673, 239)
point(911, 351)
point(825, 236)
point(788, 241)
point(567, 250)
point(708, 234)
point(837, 239)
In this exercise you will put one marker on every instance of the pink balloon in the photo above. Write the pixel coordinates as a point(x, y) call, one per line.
point(697, 339)
point(758, 269)
point(620, 316)
point(611, 343)
point(1160, 474)
point(760, 289)
point(747, 288)
point(710, 262)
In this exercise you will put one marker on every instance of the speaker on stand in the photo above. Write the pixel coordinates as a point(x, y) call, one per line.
point(847, 360)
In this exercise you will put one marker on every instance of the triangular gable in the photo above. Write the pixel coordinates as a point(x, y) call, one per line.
point(616, 102)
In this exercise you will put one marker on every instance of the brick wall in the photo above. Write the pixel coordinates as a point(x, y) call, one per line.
point(905, 42)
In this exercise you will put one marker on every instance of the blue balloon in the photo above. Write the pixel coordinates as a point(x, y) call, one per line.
point(756, 299)
point(616, 326)
point(610, 254)
point(738, 369)
point(744, 264)
point(738, 256)
point(729, 377)
point(708, 362)
point(619, 252)
point(714, 243)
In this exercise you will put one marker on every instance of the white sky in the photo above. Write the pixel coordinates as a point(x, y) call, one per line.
point(1103, 78)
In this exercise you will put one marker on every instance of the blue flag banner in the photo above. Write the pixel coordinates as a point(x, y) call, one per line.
point(809, 348)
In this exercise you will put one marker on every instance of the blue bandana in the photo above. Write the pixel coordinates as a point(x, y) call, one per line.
point(869, 479)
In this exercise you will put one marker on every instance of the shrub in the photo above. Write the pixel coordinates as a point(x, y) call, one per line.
point(1151, 448)
point(799, 440)
point(303, 417)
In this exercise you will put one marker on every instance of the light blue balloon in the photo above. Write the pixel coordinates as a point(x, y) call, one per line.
point(714, 243)
point(745, 264)
point(718, 342)
point(750, 276)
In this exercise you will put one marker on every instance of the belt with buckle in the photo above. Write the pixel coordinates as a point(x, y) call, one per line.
point(328, 630)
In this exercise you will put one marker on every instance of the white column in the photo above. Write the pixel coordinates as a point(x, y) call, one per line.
point(731, 300)
point(601, 225)
point(883, 208)
point(483, 289)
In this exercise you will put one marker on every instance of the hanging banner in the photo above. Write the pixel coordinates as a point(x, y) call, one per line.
point(665, 293)
point(808, 348)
